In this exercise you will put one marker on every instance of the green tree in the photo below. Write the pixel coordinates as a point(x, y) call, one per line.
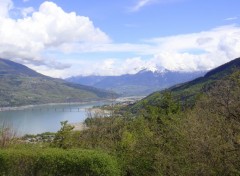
point(63, 136)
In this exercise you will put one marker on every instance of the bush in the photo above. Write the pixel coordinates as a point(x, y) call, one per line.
point(57, 162)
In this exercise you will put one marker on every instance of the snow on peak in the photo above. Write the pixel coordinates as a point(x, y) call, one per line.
point(153, 69)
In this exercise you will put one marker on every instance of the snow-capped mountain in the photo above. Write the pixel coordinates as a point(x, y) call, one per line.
point(144, 82)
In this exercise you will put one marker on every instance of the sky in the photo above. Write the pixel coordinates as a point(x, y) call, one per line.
point(62, 38)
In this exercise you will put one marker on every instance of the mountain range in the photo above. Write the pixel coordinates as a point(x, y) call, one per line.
point(20, 85)
point(142, 83)
point(188, 92)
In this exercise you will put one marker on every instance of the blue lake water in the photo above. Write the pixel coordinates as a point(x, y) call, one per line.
point(45, 118)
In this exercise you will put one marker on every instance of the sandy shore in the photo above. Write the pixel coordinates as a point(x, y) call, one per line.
point(79, 126)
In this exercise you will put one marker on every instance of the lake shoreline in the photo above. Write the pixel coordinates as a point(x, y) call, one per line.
point(37, 119)
point(16, 108)
point(120, 99)
point(41, 119)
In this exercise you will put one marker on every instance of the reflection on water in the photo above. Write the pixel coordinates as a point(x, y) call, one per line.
point(39, 119)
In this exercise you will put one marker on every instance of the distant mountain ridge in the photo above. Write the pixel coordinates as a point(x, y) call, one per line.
point(142, 83)
point(20, 85)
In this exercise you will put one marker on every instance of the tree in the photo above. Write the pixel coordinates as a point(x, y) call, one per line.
point(63, 136)
point(224, 97)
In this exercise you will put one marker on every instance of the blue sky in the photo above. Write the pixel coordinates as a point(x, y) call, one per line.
point(118, 37)
point(156, 19)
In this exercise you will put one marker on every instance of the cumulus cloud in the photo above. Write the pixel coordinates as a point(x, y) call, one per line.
point(187, 53)
point(48, 28)
point(197, 51)
point(32, 38)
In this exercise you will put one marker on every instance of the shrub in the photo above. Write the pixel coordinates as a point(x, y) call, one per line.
point(57, 162)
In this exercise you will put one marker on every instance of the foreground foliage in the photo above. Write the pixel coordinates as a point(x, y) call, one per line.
point(170, 140)
point(160, 139)
point(56, 162)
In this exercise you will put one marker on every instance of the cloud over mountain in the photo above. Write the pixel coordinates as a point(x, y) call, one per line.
point(49, 38)
point(198, 51)
point(187, 52)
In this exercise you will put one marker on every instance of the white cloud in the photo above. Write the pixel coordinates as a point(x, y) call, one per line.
point(110, 66)
point(140, 4)
point(231, 18)
point(48, 28)
point(103, 47)
point(27, 11)
point(197, 51)
point(188, 52)
point(5, 6)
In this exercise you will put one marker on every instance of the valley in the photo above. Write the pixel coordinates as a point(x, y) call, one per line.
point(138, 129)
point(119, 88)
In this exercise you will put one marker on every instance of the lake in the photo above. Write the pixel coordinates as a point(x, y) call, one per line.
point(45, 118)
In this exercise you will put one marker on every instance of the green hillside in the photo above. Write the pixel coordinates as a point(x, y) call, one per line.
point(188, 92)
point(20, 85)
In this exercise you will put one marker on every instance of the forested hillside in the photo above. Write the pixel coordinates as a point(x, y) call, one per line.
point(20, 85)
point(167, 139)
point(188, 93)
